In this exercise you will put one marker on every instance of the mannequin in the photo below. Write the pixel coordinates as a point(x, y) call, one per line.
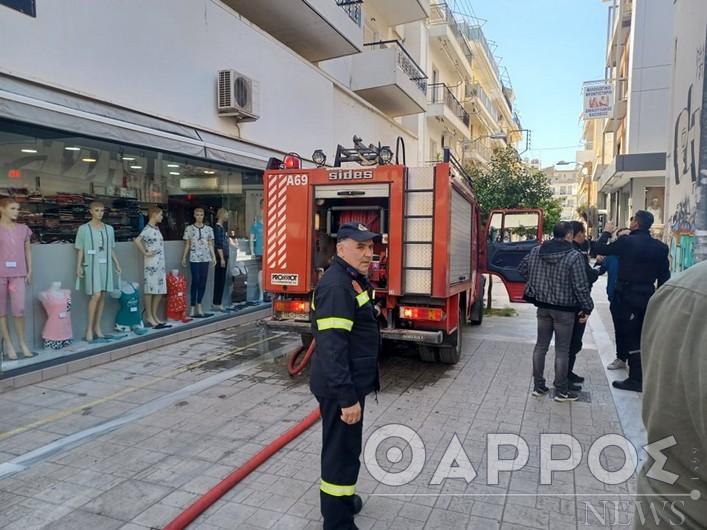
point(177, 296)
point(199, 245)
point(256, 247)
point(95, 263)
point(57, 332)
point(151, 244)
point(221, 244)
point(129, 317)
point(15, 273)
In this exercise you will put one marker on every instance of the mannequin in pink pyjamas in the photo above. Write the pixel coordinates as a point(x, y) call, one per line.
point(15, 273)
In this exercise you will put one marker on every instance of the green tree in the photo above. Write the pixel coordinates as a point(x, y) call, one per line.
point(510, 183)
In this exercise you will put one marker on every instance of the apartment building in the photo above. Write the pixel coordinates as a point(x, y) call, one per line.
point(182, 104)
point(686, 183)
point(625, 154)
point(564, 185)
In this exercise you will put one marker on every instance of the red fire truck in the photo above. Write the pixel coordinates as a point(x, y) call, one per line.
point(429, 259)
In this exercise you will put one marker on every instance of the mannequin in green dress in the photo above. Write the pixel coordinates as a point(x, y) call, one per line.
point(95, 263)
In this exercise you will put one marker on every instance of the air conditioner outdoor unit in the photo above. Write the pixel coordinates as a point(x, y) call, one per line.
point(237, 95)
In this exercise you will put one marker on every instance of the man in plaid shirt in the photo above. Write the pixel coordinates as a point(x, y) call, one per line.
point(557, 285)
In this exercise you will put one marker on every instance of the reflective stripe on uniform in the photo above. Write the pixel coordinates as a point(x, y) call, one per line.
point(334, 323)
point(312, 302)
point(337, 491)
point(362, 298)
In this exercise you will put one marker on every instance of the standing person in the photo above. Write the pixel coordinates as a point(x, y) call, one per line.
point(199, 245)
point(15, 273)
point(221, 244)
point(675, 400)
point(557, 285)
point(151, 243)
point(95, 263)
point(344, 369)
point(581, 244)
point(643, 262)
point(610, 266)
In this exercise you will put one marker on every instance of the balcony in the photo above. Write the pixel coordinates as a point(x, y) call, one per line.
point(620, 28)
point(620, 105)
point(387, 76)
point(402, 11)
point(478, 102)
point(443, 104)
point(479, 151)
point(475, 34)
point(315, 29)
point(443, 27)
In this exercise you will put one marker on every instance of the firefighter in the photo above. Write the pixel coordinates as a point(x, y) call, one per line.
point(344, 369)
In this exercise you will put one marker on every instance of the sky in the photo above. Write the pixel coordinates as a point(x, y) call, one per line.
point(550, 48)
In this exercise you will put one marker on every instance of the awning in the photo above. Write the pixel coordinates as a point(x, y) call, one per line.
point(39, 105)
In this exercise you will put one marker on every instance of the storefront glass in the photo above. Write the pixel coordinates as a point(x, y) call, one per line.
point(55, 176)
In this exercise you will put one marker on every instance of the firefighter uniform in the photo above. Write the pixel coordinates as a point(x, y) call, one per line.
point(344, 369)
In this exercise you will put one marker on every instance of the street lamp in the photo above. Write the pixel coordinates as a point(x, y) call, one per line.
point(527, 138)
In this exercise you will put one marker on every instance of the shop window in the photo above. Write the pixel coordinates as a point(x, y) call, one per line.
point(56, 175)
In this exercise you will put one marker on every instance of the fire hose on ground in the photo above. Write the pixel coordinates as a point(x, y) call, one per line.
point(215, 493)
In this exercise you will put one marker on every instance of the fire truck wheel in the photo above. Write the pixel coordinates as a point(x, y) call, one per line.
point(450, 352)
point(477, 309)
point(477, 312)
point(449, 355)
point(427, 353)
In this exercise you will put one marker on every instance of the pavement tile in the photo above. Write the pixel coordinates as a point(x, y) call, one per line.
point(127, 499)
point(82, 519)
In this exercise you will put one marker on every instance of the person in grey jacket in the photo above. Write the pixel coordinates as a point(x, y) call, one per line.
point(675, 404)
point(557, 285)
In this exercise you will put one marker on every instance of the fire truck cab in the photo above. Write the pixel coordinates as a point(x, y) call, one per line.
point(429, 259)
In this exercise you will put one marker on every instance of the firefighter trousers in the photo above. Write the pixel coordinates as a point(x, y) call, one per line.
point(341, 449)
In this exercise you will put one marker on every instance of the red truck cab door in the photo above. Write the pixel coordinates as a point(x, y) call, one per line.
point(509, 237)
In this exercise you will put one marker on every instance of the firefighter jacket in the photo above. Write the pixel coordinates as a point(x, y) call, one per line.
point(345, 359)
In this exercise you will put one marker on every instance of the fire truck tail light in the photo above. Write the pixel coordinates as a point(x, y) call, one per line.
point(291, 306)
point(421, 313)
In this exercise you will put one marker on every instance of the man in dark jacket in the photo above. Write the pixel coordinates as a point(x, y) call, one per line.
point(643, 263)
point(344, 369)
point(580, 243)
point(557, 284)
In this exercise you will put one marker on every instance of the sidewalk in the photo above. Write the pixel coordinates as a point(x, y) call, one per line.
point(132, 443)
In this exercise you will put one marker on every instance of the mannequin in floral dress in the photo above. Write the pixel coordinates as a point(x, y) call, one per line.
point(151, 244)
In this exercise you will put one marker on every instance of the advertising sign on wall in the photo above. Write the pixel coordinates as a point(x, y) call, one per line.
point(598, 101)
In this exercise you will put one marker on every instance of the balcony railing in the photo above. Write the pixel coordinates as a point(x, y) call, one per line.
point(442, 94)
point(441, 14)
point(475, 90)
point(405, 62)
point(481, 148)
point(476, 33)
point(352, 8)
